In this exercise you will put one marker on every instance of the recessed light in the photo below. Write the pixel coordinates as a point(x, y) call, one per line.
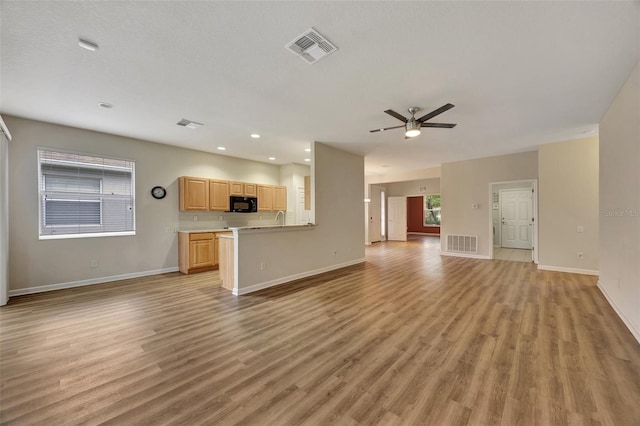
point(255, 136)
point(221, 148)
point(87, 45)
point(307, 159)
point(272, 158)
point(105, 105)
point(307, 149)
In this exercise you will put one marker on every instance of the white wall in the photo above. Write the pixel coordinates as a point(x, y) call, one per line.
point(335, 241)
point(406, 188)
point(4, 217)
point(292, 176)
point(429, 173)
point(568, 198)
point(35, 263)
point(620, 203)
point(464, 183)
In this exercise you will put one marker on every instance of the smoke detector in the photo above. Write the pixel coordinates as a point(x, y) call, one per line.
point(189, 124)
point(311, 46)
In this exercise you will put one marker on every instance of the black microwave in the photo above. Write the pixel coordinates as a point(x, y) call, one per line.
point(243, 204)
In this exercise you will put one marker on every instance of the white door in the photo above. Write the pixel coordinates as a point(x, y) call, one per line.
point(397, 214)
point(375, 212)
point(516, 212)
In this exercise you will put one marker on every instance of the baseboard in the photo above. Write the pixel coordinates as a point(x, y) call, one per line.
point(91, 281)
point(570, 270)
point(289, 278)
point(429, 234)
point(632, 328)
point(469, 255)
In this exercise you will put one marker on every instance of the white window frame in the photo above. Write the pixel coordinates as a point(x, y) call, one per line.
point(42, 203)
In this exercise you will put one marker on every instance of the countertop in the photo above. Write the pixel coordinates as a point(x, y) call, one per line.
point(194, 231)
point(248, 228)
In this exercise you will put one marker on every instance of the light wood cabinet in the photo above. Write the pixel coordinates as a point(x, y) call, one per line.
point(242, 189)
point(226, 250)
point(307, 192)
point(265, 198)
point(218, 195)
point(250, 190)
point(193, 193)
point(279, 198)
point(198, 251)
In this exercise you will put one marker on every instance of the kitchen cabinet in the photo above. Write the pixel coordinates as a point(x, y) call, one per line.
point(193, 193)
point(198, 251)
point(226, 250)
point(242, 189)
point(218, 195)
point(279, 198)
point(265, 198)
point(307, 192)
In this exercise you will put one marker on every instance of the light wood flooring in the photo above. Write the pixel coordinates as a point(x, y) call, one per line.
point(514, 255)
point(408, 338)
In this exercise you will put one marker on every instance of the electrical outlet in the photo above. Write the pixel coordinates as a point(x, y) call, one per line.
point(580, 229)
point(94, 263)
point(195, 218)
point(263, 266)
point(335, 252)
point(580, 255)
point(167, 230)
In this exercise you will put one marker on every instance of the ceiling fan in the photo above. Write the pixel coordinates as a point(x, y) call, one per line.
point(413, 125)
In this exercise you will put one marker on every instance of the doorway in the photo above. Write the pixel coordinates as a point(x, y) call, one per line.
point(375, 213)
point(513, 220)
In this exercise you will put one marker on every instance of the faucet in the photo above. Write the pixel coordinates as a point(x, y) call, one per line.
point(284, 216)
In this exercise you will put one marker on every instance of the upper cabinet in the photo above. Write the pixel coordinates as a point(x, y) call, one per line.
point(194, 193)
point(243, 189)
point(279, 198)
point(218, 195)
point(213, 194)
point(265, 198)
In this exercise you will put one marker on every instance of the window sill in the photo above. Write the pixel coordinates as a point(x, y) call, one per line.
point(92, 235)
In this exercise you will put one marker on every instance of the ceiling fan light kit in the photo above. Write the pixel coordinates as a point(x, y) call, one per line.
point(412, 126)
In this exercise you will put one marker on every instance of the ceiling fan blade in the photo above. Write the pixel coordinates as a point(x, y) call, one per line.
point(396, 115)
point(386, 128)
point(435, 112)
point(439, 125)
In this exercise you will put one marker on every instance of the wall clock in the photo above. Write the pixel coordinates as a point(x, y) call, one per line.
point(158, 192)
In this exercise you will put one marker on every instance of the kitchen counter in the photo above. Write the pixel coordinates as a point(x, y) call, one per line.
point(193, 231)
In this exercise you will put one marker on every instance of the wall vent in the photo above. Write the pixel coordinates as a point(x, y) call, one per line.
point(462, 243)
point(311, 46)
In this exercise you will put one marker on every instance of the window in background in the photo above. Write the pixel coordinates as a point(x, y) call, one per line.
point(84, 195)
point(432, 210)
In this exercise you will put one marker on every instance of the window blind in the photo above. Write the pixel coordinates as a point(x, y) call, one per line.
point(84, 195)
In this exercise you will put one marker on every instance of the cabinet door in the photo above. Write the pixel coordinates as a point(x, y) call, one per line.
point(194, 193)
point(219, 195)
point(265, 198)
point(250, 190)
point(201, 253)
point(280, 198)
point(236, 188)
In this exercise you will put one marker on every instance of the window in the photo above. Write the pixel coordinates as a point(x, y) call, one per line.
point(431, 210)
point(85, 195)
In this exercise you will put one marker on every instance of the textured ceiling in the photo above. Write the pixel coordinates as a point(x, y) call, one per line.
point(520, 73)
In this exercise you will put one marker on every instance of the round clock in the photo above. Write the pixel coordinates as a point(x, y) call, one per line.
point(158, 192)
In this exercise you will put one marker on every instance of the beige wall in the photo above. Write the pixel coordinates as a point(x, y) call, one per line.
point(4, 218)
point(568, 198)
point(335, 241)
point(399, 189)
point(464, 183)
point(35, 263)
point(430, 173)
point(620, 203)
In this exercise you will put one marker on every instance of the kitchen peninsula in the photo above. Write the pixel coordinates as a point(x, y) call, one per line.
point(248, 261)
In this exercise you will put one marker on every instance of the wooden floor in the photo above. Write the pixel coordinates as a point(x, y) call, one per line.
point(408, 338)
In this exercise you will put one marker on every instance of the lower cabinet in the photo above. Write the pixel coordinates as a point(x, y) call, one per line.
point(198, 251)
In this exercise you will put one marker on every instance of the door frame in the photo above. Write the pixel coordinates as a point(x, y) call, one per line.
point(534, 232)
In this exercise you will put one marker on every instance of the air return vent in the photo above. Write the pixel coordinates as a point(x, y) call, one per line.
point(311, 46)
point(462, 243)
point(189, 124)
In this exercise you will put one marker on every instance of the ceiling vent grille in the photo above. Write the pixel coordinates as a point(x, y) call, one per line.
point(189, 124)
point(311, 46)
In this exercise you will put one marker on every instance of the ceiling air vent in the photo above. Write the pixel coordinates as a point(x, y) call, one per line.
point(189, 124)
point(311, 46)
